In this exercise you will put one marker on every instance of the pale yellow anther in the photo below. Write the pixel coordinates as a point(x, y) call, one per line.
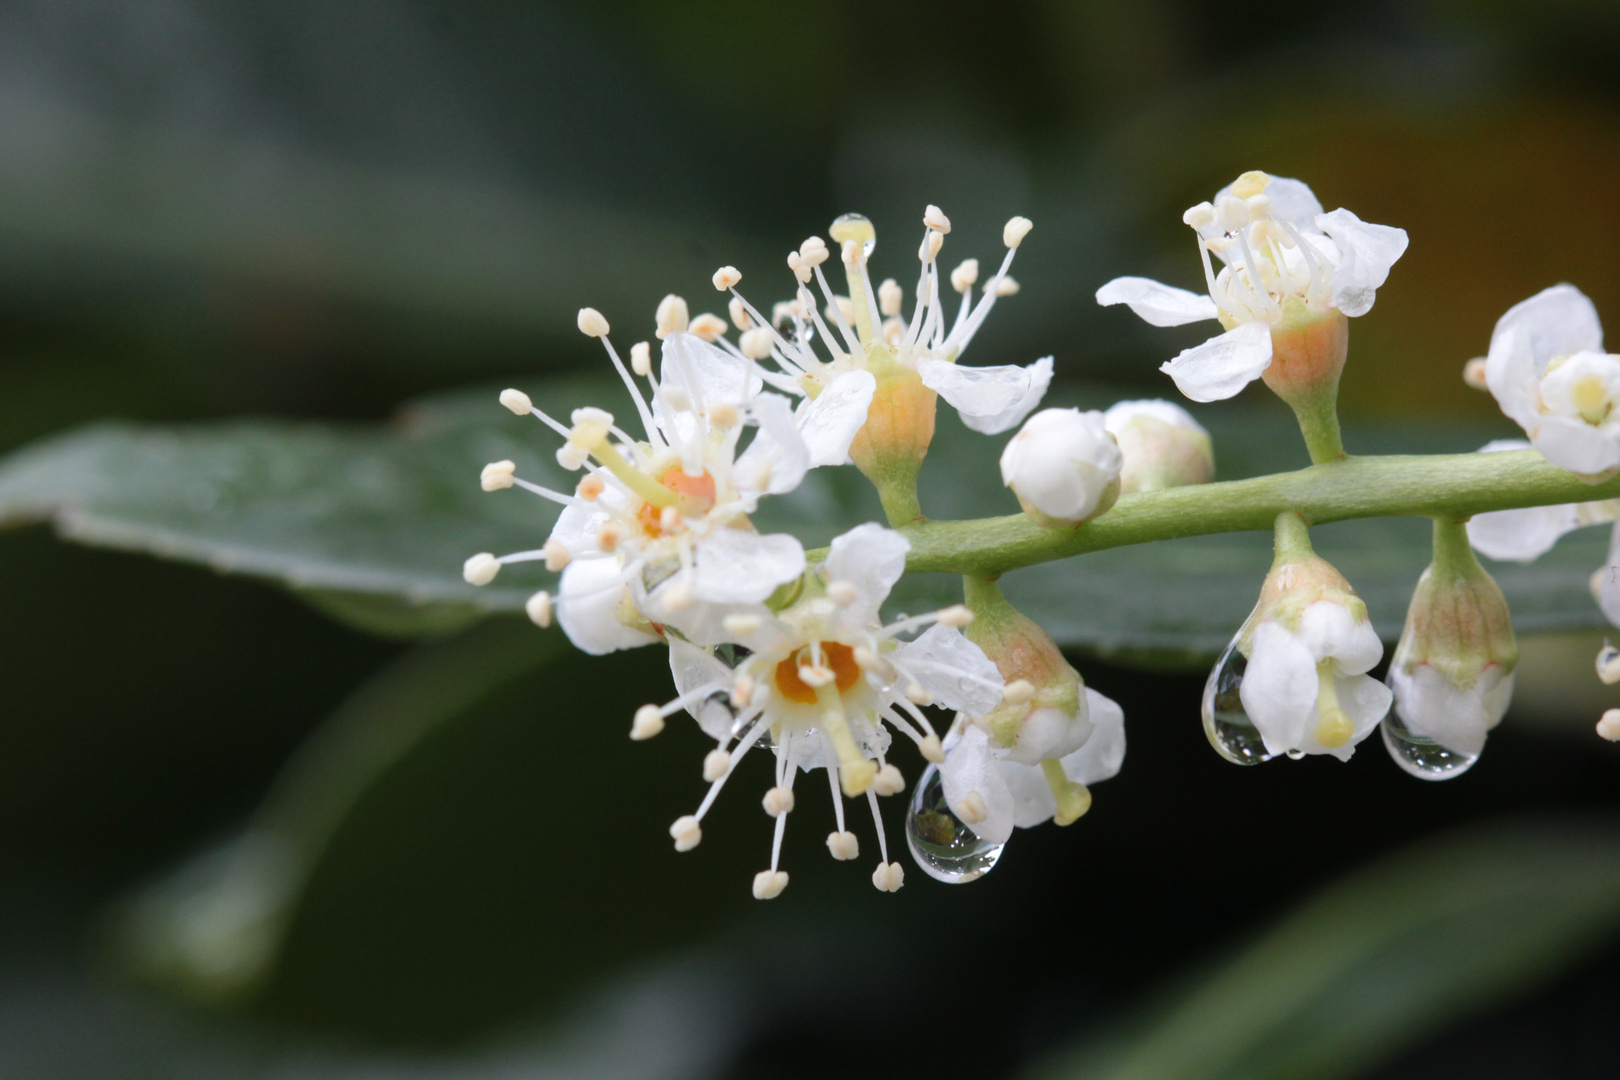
point(844, 846)
point(725, 277)
point(591, 323)
point(641, 359)
point(917, 695)
point(669, 519)
point(648, 722)
point(756, 344)
point(894, 330)
point(888, 877)
point(852, 254)
point(1590, 395)
point(1018, 691)
point(778, 801)
point(538, 609)
point(742, 625)
point(739, 314)
point(742, 691)
point(846, 310)
point(677, 597)
point(557, 555)
point(955, 615)
point(801, 269)
point(786, 311)
point(672, 316)
point(813, 251)
point(686, 832)
point(971, 809)
point(815, 675)
point(590, 487)
point(931, 750)
point(935, 219)
point(768, 884)
point(608, 537)
point(1250, 184)
point(517, 401)
point(856, 777)
point(572, 456)
point(497, 475)
point(675, 397)
point(965, 274)
point(708, 326)
point(1609, 725)
point(888, 781)
point(592, 423)
point(843, 593)
point(1003, 285)
point(890, 297)
point(932, 242)
point(481, 569)
point(1474, 374)
point(715, 764)
point(1199, 216)
point(1013, 233)
point(724, 415)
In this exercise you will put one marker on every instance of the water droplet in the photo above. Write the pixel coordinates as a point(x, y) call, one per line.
point(1230, 731)
point(1296, 755)
point(1422, 757)
point(940, 842)
point(857, 227)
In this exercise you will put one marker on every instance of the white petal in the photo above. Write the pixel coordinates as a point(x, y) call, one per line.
point(1365, 700)
point(1040, 377)
point(708, 372)
point(871, 558)
point(1520, 535)
point(1050, 733)
point(735, 566)
point(1604, 585)
point(694, 669)
point(577, 528)
point(1434, 707)
point(1103, 754)
point(970, 766)
point(1576, 445)
point(1221, 366)
point(1032, 798)
point(1291, 200)
point(1157, 303)
point(1329, 630)
point(778, 453)
point(1366, 252)
point(1279, 687)
point(829, 422)
point(976, 391)
point(590, 599)
point(953, 669)
point(1121, 413)
point(1559, 321)
point(671, 603)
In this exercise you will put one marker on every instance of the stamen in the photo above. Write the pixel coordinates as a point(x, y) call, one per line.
point(739, 315)
point(641, 359)
point(556, 554)
point(855, 771)
point(1013, 233)
point(591, 323)
point(715, 764)
point(877, 820)
point(843, 845)
point(497, 475)
point(725, 278)
point(1073, 800)
point(890, 297)
point(1017, 692)
point(538, 608)
point(1334, 728)
point(971, 809)
point(778, 801)
point(481, 568)
point(649, 721)
point(517, 401)
point(768, 884)
point(888, 781)
point(672, 316)
point(744, 744)
point(707, 326)
point(686, 832)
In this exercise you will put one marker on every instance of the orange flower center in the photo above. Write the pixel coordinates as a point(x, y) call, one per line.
point(839, 658)
point(696, 492)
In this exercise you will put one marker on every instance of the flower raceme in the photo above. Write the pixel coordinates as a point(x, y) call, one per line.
point(820, 682)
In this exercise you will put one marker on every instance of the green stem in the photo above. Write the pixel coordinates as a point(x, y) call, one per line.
point(1453, 556)
point(1454, 486)
point(1318, 418)
point(897, 491)
point(1293, 538)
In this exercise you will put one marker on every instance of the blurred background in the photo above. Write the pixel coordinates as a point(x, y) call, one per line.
point(321, 211)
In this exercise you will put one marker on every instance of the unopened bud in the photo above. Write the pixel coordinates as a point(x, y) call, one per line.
point(1161, 445)
point(1063, 466)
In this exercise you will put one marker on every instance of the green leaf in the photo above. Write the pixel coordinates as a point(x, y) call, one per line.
point(1441, 931)
point(374, 522)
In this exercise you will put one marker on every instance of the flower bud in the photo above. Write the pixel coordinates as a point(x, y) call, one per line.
point(1162, 446)
point(1064, 467)
point(1453, 670)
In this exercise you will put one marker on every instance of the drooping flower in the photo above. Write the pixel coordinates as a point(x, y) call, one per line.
point(911, 360)
point(657, 533)
point(1064, 467)
point(1307, 647)
point(818, 682)
point(1161, 444)
point(1548, 371)
point(1452, 673)
point(1525, 534)
point(1291, 275)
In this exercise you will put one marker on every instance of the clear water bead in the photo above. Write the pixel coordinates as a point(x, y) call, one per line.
point(1230, 731)
point(1422, 757)
point(940, 842)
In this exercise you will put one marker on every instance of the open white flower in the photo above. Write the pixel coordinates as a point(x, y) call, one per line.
point(866, 332)
point(663, 519)
point(1548, 371)
point(818, 683)
point(1526, 534)
point(993, 789)
point(1064, 467)
point(1287, 266)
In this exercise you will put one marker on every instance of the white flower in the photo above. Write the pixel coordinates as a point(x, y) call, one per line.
point(865, 332)
point(992, 789)
point(1161, 444)
point(1063, 465)
point(1286, 262)
point(1525, 534)
point(1547, 370)
point(1306, 688)
point(1456, 717)
point(819, 681)
point(666, 516)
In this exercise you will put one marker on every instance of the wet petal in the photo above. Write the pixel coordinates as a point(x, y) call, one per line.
point(735, 566)
point(829, 422)
point(1279, 687)
point(1576, 445)
point(976, 391)
point(1221, 366)
point(591, 597)
point(708, 372)
point(1103, 754)
point(1366, 252)
point(777, 459)
point(953, 669)
point(1157, 303)
point(1040, 377)
point(871, 558)
point(971, 767)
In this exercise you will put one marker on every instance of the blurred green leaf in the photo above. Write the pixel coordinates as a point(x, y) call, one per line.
point(373, 522)
point(1443, 930)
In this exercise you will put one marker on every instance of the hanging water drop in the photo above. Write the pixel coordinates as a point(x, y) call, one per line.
point(1422, 757)
point(857, 227)
point(940, 842)
point(1230, 731)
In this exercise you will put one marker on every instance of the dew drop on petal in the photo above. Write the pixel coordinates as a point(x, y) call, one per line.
point(1422, 757)
point(940, 842)
point(1230, 731)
